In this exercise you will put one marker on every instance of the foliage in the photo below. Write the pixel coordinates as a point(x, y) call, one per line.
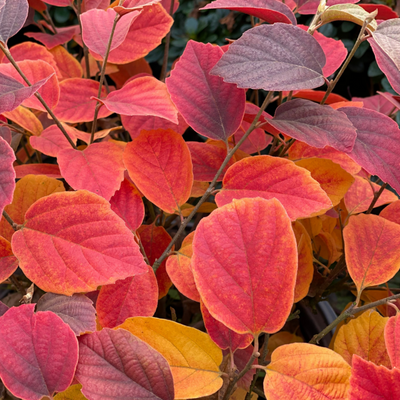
point(262, 216)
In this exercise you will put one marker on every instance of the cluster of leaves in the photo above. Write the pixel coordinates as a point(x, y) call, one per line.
point(279, 207)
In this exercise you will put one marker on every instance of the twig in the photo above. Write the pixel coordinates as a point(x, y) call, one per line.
point(85, 49)
point(166, 48)
point(10, 221)
point(211, 187)
point(375, 199)
point(348, 313)
point(17, 285)
point(39, 97)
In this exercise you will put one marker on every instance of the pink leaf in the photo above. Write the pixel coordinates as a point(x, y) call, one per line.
point(63, 35)
point(392, 338)
point(132, 5)
point(210, 106)
point(13, 15)
point(378, 103)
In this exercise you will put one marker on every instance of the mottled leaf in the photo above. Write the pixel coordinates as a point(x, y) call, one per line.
point(13, 14)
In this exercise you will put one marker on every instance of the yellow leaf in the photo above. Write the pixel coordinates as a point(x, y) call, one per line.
point(72, 393)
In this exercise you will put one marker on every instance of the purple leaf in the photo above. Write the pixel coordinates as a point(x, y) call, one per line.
point(311, 6)
point(377, 146)
point(13, 93)
point(13, 15)
point(316, 125)
point(5, 133)
point(377, 103)
point(273, 57)
point(268, 10)
point(77, 310)
point(3, 308)
point(210, 106)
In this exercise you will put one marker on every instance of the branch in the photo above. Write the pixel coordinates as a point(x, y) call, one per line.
point(376, 197)
point(40, 98)
point(211, 187)
point(10, 221)
point(349, 312)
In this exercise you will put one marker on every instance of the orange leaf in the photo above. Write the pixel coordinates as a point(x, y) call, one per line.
point(372, 248)
point(159, 164)
point(392, 212)
point(50, 170)
point(8, 262)
point(66, 63)
point(237, 238)
point(281, 338)
point(126, 71)
point(363, 336)
point(303, 371)
point(269, 177)
point(361, 194)
point(25, 119)
point(325, 245)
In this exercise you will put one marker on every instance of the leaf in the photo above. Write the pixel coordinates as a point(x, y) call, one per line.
point(255, 142)
point(131, 5)
point(246, 303)
point(136, 124)
point(392, 212)
point(392, 100)
point(127, 71)
point(193, 357)
point(361, 193)
point(7, 174)
point(279, 339)
point(99, 168)
point(135, 296)
point(117, 363)
point(305, 272)
point(27, 339)
point(63, 35)
point(373, 128)
point(13, 15)
point(334, 180)
point(50, 170)
point(8, 262)
point(13, 93)
point(311, 6)
point(210, 106)
point(160, 166)
point(59, 3)
point(368, 381)
point(318, 126)
point(77, 106)
point(145, 34)
point(304, 371)
point(127, 203)
point(293, 186)
point(25, 119)
point(372, 246)
point(77, 311)
point(347, 12)
point(72, 393)
point(267, 10)
point(364, 336)
point(378, 103)
point(224, 337)
point(97, 26)
point(145, 96)
point(392, 333)
point(60, 256)
point(3, 308)
point(155, 239)
point(334, 50)
point(242, 357)
point(179, 269)
point(317, 96)
point(273, 57)
point(67, 65)
point(384, 12)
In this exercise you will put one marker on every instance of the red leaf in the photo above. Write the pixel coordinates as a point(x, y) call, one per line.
point(368, 381)
point(384, 12)
point(127, 71)
point(319, 126)
point(38, 353)
point(378, 103)
point(13, 15)
point(136, 296)
point(63, 35)
point(37, 5)
point(8, 262)
point(255, 142)
point(50, 170)
point(142, 96)
point(273, 57)
point(3, 308)
point(99, 168)
point(223, 336)
point(311, 6)
point(159, 164)
point(117, 363)
point(155, 239)
point(269, 177)
point(237, 238)
point(135, 125)
point(392, 212)
point(77, 311)
point(373, 128)
point(60, 256)
point(335, 51)
point(393, 101)
point(7, 174)
point(77, 105)
point(90, 4)
point(68, 66)
point(270, 11)
point(210, 106)
point(145, 34)
point(317, 96)
point(131, 5)
point(392, 337)
point(97, 25)
point(127, 203)
point(59, 3)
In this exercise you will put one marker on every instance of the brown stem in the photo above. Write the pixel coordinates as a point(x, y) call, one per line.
point(349, 312)
point(40, 98)
point(10, 221)
point(166, 49)
point(85, 49)
point(50, 20)
point(17, 285)
point(211, 187)
point(375, 199)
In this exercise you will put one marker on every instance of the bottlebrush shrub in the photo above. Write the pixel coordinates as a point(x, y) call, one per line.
point(268, 211)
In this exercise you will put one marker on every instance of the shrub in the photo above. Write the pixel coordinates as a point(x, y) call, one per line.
point(266, 213)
